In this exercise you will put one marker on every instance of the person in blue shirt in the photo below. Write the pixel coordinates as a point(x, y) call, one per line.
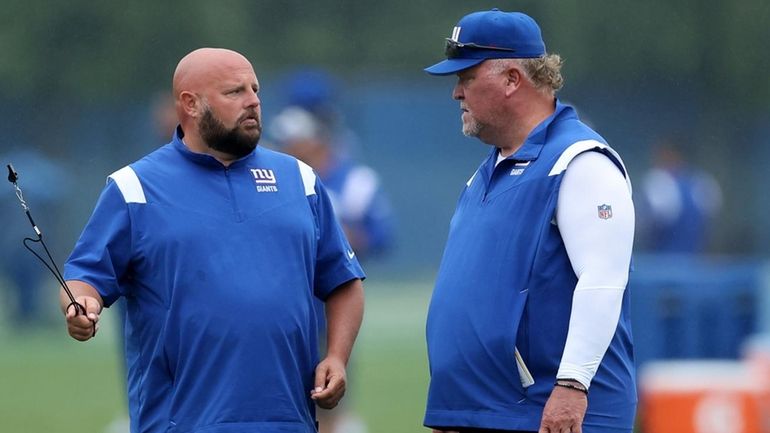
point(219, 248)
point(680, 201)
point(528, 326)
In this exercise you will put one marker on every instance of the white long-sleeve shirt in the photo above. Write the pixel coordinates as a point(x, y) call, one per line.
point(600, 252)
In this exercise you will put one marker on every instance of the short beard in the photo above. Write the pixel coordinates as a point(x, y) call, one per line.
point(230, 141)
point(472, 128)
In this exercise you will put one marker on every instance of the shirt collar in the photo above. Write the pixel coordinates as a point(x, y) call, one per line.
point(536, 139)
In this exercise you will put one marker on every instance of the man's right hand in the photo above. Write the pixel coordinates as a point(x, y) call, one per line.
point(83, 327)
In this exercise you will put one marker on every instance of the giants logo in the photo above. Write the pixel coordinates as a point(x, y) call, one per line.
point(263, 175)
point(265, 179)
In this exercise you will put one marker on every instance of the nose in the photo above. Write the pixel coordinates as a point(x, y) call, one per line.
point(253, 99)
point(457, 92)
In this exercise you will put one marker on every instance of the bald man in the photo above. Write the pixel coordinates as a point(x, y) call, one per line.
point(218, 247)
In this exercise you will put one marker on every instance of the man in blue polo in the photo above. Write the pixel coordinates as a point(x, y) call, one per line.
point(528, 326)
point(219, 247)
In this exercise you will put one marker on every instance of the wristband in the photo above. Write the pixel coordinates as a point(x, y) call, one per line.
point(565, 383)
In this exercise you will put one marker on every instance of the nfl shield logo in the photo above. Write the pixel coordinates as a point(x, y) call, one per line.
point(605, 211)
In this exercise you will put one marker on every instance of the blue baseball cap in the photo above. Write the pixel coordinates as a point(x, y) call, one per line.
point(490, 34)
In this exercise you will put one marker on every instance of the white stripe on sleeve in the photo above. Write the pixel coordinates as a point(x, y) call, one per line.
point(308, 177)
point(579, 147)
point(129, 185)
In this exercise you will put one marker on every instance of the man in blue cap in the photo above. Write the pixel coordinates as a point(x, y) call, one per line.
point(528, 326)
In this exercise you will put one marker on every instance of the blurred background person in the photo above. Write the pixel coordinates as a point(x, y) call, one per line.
point(680, 202)
point(354, 188)
point(164, 118)
point(316, 91)
point(310, 128)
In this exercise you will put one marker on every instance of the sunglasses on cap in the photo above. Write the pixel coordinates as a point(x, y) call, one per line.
point(452, 48)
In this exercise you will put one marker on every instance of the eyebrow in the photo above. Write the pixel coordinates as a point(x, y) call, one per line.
point(240, 85)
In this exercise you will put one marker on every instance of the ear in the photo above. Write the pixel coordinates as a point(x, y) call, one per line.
point(514, 78)
point(191, 104)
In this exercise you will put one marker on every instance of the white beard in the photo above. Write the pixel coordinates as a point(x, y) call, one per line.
point(472, 128)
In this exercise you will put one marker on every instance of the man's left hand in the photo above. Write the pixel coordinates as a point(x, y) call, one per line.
point(330, 382)
point(564, 411)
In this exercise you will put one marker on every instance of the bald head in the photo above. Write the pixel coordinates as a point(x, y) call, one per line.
point(204, 64)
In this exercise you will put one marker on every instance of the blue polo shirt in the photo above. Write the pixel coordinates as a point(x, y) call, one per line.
point(219, 267)
point(506, 283)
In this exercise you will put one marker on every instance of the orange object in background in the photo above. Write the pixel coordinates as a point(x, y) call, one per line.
point(703, 397)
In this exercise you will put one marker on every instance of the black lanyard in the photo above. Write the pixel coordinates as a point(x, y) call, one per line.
point(13, 177)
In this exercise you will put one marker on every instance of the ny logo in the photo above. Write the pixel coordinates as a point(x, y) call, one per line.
point(263, 175)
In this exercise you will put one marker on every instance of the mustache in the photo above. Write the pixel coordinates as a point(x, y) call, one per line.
point(251, 114)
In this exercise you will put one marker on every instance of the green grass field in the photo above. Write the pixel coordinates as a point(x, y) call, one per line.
point(52, 384)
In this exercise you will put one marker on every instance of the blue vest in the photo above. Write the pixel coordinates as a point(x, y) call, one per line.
point(506, 284)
